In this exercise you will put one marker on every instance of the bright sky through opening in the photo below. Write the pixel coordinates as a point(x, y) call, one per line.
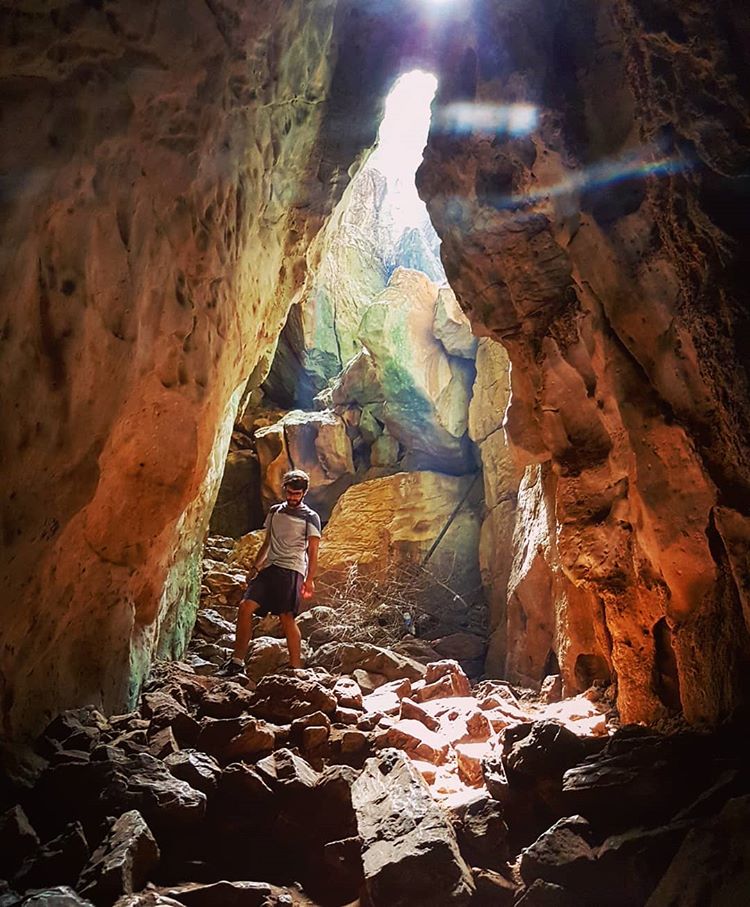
point(401, 140)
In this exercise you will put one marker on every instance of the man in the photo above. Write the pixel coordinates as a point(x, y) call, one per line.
point(283, 572)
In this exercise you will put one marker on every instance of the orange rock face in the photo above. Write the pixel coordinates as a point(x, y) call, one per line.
point(594, 238)
point(164, 171)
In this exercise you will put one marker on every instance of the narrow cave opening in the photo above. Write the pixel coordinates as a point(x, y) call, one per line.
point(369, 392)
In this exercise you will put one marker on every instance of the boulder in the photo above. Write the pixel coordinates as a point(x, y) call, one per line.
point(417, 740)
point(562, 855)
point(18, 840)
point(198, 769)
point(57, 862)
point(384, 522)
point(282, 698)
point(410, 856)
point(230, 739)
point(712, 864)
point(482, 833)
point(451, 327)
point(60, 896)
point(122, 863)
point(348, 657)
point(426, 392)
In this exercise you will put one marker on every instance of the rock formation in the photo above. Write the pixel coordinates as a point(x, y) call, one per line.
point(584, 175)
point(165, 171)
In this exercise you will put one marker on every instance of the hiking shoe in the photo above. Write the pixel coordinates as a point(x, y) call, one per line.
point(230, 668)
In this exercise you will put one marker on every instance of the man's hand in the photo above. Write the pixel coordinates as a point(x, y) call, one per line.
point(251, 574)
point(308, 589)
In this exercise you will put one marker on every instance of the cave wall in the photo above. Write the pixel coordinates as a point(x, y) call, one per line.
point(604, 250)
point(164, 170)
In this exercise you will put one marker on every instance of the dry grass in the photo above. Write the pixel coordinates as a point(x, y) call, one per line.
point(409, 600)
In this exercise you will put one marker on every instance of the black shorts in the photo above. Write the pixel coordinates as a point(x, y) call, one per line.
point(276, 590)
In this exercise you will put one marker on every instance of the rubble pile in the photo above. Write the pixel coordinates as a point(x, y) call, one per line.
point(370, 777)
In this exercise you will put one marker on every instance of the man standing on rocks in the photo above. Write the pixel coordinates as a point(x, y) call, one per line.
point(282, 573)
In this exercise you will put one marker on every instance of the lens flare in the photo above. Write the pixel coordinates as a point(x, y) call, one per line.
point(466, 118)
point(634, 166)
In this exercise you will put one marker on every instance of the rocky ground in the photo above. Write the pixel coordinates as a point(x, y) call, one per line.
point(373, 776)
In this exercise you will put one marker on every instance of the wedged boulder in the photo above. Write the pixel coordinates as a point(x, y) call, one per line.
point(410, 856)
point(426, 392)
point(282, 698)
point(451, 326)
point(122, 863)
point(267, 655)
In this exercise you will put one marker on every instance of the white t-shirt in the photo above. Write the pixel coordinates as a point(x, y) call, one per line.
point(289, 529)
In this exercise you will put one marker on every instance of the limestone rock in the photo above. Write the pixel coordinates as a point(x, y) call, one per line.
point(451, 327)
point(562, 855)
point(314, 441)
point(383, 522)
point(282, 698)
point(238, 510)
point(349, 657)
point(160, 254)
point(410, 856)
point(122, 863)
point(426, 393)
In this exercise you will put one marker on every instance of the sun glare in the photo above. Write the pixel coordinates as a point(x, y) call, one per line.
point(401, 141)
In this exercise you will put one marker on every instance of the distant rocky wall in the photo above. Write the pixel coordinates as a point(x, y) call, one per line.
point(164, 169)
point(604, 249)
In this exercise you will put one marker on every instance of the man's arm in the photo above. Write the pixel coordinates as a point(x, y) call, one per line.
point(308, 587)
point(260, 557)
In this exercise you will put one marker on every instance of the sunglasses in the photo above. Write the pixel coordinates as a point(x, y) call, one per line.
point(293, 486)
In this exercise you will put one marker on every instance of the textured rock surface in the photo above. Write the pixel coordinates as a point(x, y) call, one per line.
point(320, 336)
point(426, 393)
point(489, 400)
point(163, 174)
point(316, 442)
point(383, 522)
point(604, 250)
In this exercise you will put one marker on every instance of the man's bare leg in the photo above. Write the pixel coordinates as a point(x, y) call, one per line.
point(244, 629)
point(293, 639)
